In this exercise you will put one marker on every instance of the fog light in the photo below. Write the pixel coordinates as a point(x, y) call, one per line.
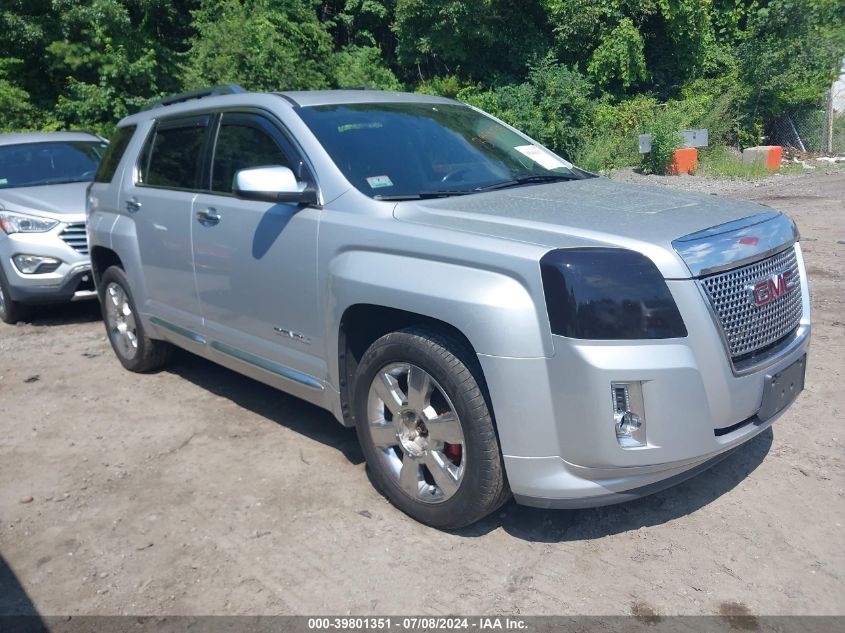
point(34, 264)
point(628, 414)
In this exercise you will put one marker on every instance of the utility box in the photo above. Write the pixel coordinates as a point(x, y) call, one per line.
point(692, 138)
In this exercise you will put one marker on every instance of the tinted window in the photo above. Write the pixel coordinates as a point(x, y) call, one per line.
point(244, 141)
point(111, 158)
point(52, 163)
point(173, 156)
point(407, 149)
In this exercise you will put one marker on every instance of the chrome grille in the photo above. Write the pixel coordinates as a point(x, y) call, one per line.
point(76, 236)
point(747, 327)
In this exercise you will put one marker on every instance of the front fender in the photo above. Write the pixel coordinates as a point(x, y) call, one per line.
point(495, 311)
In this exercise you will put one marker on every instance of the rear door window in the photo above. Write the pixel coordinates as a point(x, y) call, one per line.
point(174, 153)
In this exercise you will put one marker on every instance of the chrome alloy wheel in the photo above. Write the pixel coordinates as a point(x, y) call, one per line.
point(416, 432)
point(2, 301)
point(121, 321)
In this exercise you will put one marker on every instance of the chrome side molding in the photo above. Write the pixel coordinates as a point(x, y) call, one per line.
point(267, 365)
point(178, 329)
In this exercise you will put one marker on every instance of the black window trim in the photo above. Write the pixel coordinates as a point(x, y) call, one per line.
point(297, 152)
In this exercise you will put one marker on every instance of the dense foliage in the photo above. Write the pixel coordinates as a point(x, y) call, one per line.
point(582, 76)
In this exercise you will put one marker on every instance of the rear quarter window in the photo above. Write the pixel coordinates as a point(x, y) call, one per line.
point(111, 159)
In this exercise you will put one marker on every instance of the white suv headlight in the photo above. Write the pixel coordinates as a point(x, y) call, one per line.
point(12, 222)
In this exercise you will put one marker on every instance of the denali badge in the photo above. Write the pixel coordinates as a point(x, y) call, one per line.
point(767, 290)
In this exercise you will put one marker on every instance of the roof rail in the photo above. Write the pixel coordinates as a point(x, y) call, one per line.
point(223, 89)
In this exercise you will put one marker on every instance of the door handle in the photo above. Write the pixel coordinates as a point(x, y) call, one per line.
point(209, 217)
point(133, 205)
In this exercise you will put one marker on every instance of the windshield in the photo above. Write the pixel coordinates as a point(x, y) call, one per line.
point(33, 164)
point(408, 150)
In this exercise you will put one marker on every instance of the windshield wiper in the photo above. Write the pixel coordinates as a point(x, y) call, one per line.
point(528, 180)
point(425, 195)
point(445, 193)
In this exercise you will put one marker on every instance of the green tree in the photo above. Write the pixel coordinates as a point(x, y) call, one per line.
point(553, 106)
point(16, 110)
point(259, 44)
point(619, 61)
point(89, 62)
point(362, 67)
point(790, 55)
point(473, 39)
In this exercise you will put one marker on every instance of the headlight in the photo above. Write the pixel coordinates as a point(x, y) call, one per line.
point(22, 223)
point(608, 294)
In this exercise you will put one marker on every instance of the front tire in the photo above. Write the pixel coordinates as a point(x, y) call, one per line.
point(10, 311)
point(134, 349)
point(426, 430)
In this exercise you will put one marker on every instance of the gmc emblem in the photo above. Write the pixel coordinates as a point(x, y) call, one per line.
point(767, 290)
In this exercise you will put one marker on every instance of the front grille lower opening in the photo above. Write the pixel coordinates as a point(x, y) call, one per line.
point(763, 352)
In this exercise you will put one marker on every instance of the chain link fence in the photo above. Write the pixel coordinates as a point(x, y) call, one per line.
point(816, 129)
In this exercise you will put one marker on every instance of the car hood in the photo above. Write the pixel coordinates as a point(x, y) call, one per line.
point(53, 201)
point(590, 212)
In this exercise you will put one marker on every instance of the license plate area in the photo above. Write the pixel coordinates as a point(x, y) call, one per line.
point(782, 388)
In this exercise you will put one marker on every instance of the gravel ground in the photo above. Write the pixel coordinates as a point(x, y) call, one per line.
point(198, 491)
point(735, 187)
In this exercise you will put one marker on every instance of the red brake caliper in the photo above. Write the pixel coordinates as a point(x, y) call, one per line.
point(453, 452)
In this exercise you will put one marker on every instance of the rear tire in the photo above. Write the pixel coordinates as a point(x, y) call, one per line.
point(10, 311)
point(134, 349)
point(426, 431)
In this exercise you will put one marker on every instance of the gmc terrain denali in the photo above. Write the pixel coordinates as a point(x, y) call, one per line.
point(491, 319)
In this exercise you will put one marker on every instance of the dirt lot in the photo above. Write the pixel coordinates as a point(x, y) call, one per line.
point(197, 491)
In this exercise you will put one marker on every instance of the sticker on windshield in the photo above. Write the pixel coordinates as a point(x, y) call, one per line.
point(542, 157)
point(377, 182)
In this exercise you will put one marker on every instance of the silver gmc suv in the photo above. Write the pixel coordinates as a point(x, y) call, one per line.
point(491, 319)
point(43, 248)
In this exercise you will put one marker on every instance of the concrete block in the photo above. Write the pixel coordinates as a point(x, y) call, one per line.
point(767, 155)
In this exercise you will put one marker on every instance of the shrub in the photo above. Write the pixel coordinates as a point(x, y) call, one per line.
point(16, 111)
point(554, 106)
point(362, 67)
point(665, 139)
point(610, 141)
point(449, 86)
point(619, 60)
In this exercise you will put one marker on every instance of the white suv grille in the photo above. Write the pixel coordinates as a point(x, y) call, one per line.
point(76, 236)
point(750, 328)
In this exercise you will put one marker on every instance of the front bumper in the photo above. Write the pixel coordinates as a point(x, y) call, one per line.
point(590, 493)
point(555, 422)
point(71, 281)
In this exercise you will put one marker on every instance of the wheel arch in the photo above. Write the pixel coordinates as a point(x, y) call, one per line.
point(101, 259)
point(364, 323)
point(490, 309)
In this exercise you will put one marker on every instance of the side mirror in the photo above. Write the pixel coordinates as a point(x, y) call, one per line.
point(272, 184)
